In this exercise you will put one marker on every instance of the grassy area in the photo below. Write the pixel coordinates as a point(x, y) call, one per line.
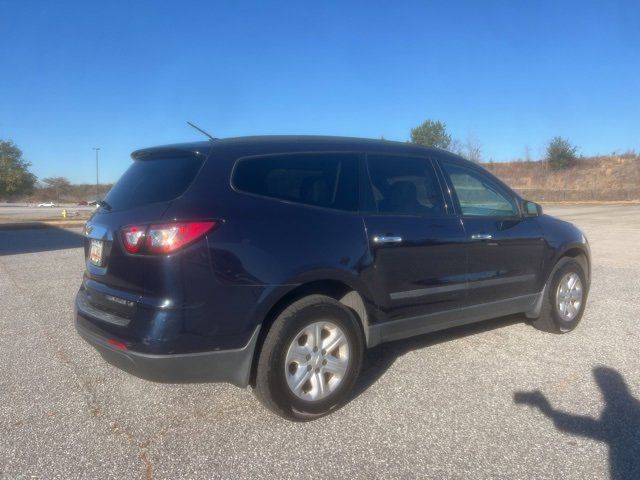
point(611, 178)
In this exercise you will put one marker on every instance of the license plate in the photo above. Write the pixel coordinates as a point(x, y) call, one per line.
point(95, 252)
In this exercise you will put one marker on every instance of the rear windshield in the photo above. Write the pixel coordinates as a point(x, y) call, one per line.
point(152, 181)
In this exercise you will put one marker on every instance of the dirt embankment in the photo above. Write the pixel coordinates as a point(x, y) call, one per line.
point(604, 178)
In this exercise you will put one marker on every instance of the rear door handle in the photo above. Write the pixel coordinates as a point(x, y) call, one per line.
point(382, 239)
point(481, 236)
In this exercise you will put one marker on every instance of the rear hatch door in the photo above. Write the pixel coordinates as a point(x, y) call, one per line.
point(140, 197)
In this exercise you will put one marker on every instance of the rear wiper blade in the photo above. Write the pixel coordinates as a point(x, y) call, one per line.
point(103, 204)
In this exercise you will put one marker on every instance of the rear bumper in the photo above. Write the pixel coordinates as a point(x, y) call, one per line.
point(231, 366)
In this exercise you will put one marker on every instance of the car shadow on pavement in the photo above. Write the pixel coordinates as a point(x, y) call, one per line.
point(379, 359)
point(37, 239)
point(618, 424)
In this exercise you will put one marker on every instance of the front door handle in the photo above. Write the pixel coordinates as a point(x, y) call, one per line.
point(382, 239)
point(481, 236)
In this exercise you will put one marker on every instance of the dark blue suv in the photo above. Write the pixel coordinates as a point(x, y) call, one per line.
point(275, 261)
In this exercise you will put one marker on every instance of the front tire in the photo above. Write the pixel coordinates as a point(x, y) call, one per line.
point(565, 297)
point(310, 359)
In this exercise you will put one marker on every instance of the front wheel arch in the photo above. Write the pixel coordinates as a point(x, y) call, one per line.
point(575, 253)
point(579, 251)
point(542, 315)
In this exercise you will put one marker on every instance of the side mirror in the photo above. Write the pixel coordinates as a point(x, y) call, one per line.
point(531, 209)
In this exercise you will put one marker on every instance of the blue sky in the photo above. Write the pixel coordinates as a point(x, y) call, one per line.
point(125, 75)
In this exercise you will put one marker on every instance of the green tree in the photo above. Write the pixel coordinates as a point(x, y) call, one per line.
point(59, 185)
point(15, 177)
point(432, 134)
point(561, 153)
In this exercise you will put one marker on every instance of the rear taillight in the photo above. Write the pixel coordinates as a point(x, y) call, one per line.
point(132, 238)
point(172, 236)
point(165, 238)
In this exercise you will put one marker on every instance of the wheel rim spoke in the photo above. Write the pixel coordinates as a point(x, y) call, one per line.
point(335, 366)
point(317, 335)
point(301, 380)
point(319, 385)
point(337, 339)
point(299, 355)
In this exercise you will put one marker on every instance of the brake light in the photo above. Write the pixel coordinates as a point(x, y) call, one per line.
point(172, 236)
point(164, 238)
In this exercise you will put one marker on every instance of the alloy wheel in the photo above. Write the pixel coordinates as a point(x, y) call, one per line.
point(317, 361)
point(569, 296)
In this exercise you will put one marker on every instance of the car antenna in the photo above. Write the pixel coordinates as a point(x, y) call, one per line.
point(202, 131)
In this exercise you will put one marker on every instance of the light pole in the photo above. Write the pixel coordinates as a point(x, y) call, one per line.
point(97, 149)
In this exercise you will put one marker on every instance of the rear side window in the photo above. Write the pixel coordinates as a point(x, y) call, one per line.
point(152, 181)
point(405, 186)
point(327, 180)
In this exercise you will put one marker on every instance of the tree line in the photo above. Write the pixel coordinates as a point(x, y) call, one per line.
point(61, 190)
point(560, 152)
point(17, 181)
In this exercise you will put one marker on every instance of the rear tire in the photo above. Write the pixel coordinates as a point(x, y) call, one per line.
point(564, 298)
point(296, 377)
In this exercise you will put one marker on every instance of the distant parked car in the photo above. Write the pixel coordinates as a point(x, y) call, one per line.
point(276, 261)
point(82, 203)
point(47, 204)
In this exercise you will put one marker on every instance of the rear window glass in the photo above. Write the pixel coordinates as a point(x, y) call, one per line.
point(327, 180)
point(152, 181)
point(405, 186)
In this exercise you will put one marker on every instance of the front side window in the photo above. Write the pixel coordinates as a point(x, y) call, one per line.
point(327, 180)
point(477, 194)
point(405, 186)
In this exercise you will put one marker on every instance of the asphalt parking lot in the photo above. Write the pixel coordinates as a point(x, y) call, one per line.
point(456, 404)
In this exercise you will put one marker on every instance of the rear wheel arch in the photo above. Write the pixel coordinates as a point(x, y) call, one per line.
point(342, 292)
